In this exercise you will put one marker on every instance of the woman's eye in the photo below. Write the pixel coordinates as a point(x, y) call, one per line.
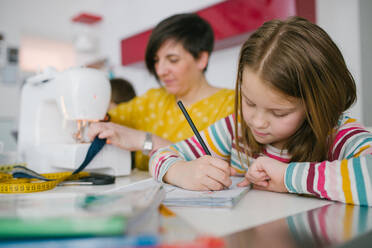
point(173, 60)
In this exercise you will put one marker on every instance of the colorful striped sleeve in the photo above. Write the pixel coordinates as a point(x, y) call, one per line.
point(218, 138)
point(346, 177)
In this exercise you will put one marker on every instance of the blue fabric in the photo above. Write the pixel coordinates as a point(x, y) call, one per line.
point(94, 148)
point(20, 171)
point(23, 172)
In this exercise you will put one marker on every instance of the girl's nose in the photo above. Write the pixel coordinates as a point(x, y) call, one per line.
point(259, 120)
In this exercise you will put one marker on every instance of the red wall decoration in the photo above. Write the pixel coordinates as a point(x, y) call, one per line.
point(86, 18)
point(232, 22)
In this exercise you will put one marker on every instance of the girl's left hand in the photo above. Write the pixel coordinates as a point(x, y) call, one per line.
point(266, 174)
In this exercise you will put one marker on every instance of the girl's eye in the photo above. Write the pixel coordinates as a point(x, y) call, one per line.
point(250, 104)
point(280, 114)
point(173, 60)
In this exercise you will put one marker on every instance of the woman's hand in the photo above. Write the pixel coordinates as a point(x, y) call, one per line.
point(204, 173)
point(266, 174)
point(124, 137)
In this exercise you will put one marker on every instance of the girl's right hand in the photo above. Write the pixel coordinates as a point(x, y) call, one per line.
point(204, 173)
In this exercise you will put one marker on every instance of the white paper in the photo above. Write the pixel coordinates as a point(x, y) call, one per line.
point(176, 196)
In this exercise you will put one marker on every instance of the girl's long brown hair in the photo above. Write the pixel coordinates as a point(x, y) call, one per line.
point(299, 59)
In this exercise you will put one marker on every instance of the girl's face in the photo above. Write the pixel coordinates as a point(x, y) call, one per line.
point(177, 69)
point(271, 116)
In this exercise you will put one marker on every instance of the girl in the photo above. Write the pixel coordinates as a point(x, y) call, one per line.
point(292, 89)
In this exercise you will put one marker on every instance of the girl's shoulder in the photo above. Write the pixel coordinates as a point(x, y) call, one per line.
point(228, 120)
point(345, 121)
point(348, 128)
point(225, 125)
point(349, 138)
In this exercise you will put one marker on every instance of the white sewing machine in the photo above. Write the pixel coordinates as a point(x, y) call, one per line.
point(56, 108)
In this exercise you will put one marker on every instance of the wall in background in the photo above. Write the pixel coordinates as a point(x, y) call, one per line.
point(365, 18)
point(340, 18)
point(37, 54)
point(348, 23)
point(49, 20)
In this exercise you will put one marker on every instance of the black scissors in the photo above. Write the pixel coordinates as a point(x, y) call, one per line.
point(92, 179)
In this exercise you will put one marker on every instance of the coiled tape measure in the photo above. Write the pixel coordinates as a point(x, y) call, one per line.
point(10, 185)
point(19, 179)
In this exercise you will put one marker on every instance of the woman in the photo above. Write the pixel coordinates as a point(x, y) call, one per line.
point(177, 55)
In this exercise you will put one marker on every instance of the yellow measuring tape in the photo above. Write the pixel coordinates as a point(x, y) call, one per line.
point(7, 168)
point(10, 185)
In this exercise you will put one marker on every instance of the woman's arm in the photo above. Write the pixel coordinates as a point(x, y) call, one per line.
point(124, 137)
point(125, 128)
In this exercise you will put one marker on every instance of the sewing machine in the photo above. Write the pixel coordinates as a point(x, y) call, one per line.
point(56, 109)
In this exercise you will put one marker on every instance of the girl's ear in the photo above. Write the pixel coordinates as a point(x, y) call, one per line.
point(202, 61)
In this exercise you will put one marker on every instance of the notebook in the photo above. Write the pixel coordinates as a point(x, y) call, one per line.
point(227, 198)
point(176, 196)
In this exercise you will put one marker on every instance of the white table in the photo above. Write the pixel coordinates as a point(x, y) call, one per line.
point(255, 208)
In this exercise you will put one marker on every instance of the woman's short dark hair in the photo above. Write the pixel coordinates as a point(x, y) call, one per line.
point(193, 32)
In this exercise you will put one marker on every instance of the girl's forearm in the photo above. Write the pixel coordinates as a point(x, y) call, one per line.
point(345, 180)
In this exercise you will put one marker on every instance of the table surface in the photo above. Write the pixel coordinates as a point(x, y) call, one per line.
point(260, 219)
point(255, 208)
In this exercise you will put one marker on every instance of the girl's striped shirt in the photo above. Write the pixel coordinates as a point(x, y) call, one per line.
point(346, 176)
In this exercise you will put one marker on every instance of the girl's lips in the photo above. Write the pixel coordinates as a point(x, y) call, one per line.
point(259, 133)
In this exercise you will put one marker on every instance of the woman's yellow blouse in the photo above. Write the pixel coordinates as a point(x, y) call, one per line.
point(157, 112)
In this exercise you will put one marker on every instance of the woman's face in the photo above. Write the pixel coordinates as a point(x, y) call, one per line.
point(177, 69)
point(271, 116)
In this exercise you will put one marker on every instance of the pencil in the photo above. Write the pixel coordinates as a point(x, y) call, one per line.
point(187, 116)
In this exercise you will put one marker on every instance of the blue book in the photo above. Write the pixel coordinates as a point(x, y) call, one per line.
point(146, 240)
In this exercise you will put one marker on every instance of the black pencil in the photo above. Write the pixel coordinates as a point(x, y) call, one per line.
point(201, 141)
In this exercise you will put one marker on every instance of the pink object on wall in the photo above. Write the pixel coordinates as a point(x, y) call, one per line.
point(232, 22)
